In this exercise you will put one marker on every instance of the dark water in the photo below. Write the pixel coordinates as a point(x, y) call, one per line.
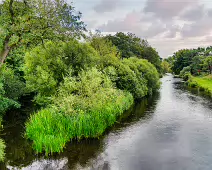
point(171, 130)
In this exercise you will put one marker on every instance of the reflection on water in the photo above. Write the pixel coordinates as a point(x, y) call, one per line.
point(170, 130)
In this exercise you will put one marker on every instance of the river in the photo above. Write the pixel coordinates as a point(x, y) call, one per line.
point(172, 130)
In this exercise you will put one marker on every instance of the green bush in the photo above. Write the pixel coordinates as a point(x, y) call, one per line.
point(46, 67)
point(186, 76)
point(121, 74)
point(13, 87)
point(84, 107)
point(185, 71)
point(6, 103)
point(144, 71)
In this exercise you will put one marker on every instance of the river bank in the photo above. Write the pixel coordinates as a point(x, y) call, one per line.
point(201, 83)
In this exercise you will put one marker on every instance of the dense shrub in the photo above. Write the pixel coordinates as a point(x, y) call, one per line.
point(123, 76)
point(144, 71)
point(135, 75)
point(46, 67)
point(13, 86)
point(84, 107)
point(185, 73)
point(5, 103)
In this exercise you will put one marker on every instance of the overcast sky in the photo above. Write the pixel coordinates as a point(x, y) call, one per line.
point(168, 25)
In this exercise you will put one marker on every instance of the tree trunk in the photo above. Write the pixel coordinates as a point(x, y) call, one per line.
point(4, 53)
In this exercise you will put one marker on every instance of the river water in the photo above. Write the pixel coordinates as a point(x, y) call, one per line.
point(172, 130)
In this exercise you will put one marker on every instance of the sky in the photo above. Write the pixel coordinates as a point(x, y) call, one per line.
point(168, 25)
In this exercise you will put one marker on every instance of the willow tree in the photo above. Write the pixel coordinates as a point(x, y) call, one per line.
point(32, 22)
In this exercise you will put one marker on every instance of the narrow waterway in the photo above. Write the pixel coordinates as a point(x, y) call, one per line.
point(171, 130)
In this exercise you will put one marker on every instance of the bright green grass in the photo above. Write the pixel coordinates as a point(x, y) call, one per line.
point(50, 129)
point(2, 145)
point(2, 148)
point(204, 83)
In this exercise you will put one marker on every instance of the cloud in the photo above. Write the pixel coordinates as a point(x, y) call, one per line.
point(208, 39)
point(167, 47)
point(167, 9)
point(106, 6)
point(194, 13)
point(209, 13)
point(128, 23)
point(201, 28)
point(142, 25)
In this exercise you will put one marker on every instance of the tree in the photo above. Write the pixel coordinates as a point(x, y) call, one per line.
point(46, 66)
point(197, 64)
point(103, 46)
point(182, 58)
point(129, 45)
point(208, 64)
point(165, 67)
point(32, 22)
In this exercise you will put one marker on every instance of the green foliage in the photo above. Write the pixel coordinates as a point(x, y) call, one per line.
point(196, 64)
point(132, 74)
point(137, 76)
point(198, 59)
point(128, 80)
point(84, 107)
point(2, 144)
point(145, 72)
point(6, 104)
point(2, 148)
point(46, 67)
point(85, 87)
point(208, 64)
point(185, 72)
point(202, 83)
point(85, 91)
point(13, 87)
point(182, 58)
point(9, 90)
point(165, 67)
point(80, 56)
point(129, 45)
point(31, 22)
point(103, 46)
point(15, 60)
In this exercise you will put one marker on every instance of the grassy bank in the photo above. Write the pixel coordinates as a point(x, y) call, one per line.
point(50, 129)
point(2, 145)
point(2, 148)
point(203, 83)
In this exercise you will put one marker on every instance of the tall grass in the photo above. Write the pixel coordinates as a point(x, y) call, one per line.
point(51, 128)
point(2, 145)
point(2, 148)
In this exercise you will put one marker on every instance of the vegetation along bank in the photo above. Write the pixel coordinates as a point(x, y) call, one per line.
point(81, 84)
point(195, 67)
